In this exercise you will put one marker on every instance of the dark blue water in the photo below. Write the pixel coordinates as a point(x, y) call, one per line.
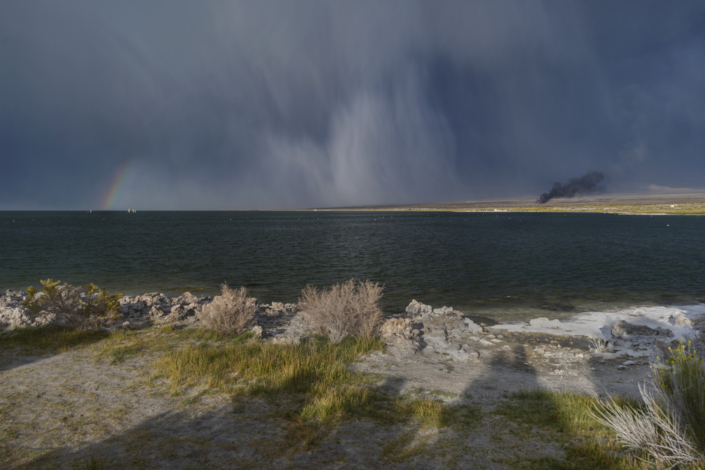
point(505, 266)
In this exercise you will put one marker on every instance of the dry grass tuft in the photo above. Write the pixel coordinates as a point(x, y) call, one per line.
point(346, 309)
point(599, 346)
point(229, 313)
point(670, 427)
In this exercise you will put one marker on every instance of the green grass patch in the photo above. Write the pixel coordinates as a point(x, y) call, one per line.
point(436, 414)
point(544, 409)
point(200, 334)
point(49, 339)
point(309, 382)
point(266, 370)
point(122, 345)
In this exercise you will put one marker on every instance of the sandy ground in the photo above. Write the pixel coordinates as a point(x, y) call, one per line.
point(77, 410)
point(513, 368)
point(71, 410)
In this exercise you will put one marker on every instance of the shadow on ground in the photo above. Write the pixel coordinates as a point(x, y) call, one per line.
point(486, 427)
point(253, 434)
point(28, 345)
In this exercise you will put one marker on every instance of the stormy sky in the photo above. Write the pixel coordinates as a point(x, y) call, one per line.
point(266, 104)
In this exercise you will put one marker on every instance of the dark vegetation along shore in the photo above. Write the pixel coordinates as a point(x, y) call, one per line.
point(94, 380)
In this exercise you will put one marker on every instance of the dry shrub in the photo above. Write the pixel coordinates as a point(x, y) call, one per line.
point(82, 309)
point(229, 313)
point(346, 309)
point(671, 425)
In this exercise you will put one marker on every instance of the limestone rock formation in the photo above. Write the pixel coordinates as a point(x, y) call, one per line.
point(418, 308)
point(400, 337)
point(680, 320)
point(447, 332)
point(545, 322)
point(623, 329)
point(14, 315)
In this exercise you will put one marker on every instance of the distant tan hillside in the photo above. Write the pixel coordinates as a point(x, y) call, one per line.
point(653, 203)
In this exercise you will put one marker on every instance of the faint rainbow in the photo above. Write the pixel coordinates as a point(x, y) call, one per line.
point(116, 185)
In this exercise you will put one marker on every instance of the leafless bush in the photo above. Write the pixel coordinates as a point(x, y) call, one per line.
point(598, 345)
point(229, 313)
point(84, 309)
point(657, 431)
point(671, 425)
point(634, 427)
point(346, 309)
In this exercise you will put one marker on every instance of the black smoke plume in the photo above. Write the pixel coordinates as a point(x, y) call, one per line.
point(588, 183)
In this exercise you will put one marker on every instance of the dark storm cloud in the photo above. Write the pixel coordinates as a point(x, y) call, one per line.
point(293, 104)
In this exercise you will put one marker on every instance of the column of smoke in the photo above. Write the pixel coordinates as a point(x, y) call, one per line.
point(589, 183)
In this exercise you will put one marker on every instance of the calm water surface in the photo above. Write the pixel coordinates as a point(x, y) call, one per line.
point(505, 266)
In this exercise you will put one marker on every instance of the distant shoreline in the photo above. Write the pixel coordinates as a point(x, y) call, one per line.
point(618, 204)
point(503, 211)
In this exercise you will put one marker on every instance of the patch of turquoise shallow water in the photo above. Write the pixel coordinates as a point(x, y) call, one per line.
point(505, 266)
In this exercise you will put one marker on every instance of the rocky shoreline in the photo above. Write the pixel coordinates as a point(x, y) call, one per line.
point(588, 347)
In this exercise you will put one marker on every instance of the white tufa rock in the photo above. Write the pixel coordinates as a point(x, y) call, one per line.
point(400, 337)
point(257, 331)
point(680, 320)
point(417, 308)
point(545, 323)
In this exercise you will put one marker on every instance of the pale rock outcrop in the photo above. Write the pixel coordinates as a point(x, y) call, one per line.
point(257, 331)
point(157, 315)
point(442, 311)
point(145, 305)
point(472, 327)
point(160, 309)
point(400, 337)
point(623, 329)
point(680, 320)
point(277, 309)
point(417, 308)
point(288, 327)
point(463, 354)
point(180, 314)
point(447, 332)
point(422, 312)
point(435, 337)
point(545, 323)
point(14, 315)
point(186, 298)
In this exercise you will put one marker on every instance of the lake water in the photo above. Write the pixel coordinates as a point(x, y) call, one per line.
point(505, 266)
